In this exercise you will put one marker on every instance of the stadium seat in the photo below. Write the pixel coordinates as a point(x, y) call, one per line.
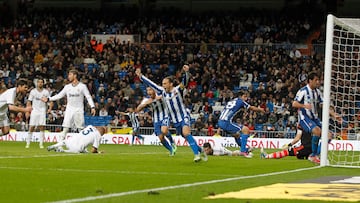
point(259, 127)
point(172, 69)
point(211, 101)
point(90, 66)
point(97, 120)
point(255, 85)
point(236, 88)
point(122, 74)
point(199, 88)
point(154, 67)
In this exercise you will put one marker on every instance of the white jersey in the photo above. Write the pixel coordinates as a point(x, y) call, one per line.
point(35, 96)
point(6, 98)
point(75, 96)
point(221, 151)
point(86, 137)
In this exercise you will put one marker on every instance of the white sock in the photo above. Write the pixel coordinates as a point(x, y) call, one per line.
point(41, 141)
point(63, 134)
point(28, 138)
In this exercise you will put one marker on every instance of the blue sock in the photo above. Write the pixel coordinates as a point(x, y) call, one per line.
point(244, 139)
point(195, 148)
point(314, 144)
point(319, 149)
point(132, 139)
point(238, 140)
point(140, 137)
point(170, 138)
point(166, 145)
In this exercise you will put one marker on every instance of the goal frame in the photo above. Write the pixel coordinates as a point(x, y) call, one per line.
point(330, 25)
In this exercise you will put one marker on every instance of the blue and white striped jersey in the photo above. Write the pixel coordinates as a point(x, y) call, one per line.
point(173, 100)
point(308, 96)
point(232, 108)
point(134, 120)
point(159, 110)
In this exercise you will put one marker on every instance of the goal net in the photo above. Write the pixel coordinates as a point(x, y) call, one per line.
point(341, 93)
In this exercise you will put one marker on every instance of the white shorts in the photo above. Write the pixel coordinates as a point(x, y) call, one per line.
point(73, 118)
point(73, 146)
point(4, 121)
point(37, 119)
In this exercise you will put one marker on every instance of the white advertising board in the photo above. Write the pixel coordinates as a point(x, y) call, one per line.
point(267, 143)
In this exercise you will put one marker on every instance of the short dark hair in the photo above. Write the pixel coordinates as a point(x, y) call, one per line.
point(207, 145)
point(22, 82)
point(241, 93)
point(312, 75)
point(41, 78)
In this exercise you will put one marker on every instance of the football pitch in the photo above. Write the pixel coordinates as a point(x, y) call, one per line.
point(144, 174)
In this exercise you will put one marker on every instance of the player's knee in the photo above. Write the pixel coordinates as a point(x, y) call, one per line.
point(245, 130)
point(317, 131)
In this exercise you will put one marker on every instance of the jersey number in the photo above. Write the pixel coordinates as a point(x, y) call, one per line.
point(87, 131)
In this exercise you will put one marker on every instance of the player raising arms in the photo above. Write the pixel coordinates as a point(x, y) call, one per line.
point(160, 119)
point(173, 98)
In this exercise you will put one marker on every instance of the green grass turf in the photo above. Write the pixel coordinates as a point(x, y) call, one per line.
point(36, 175)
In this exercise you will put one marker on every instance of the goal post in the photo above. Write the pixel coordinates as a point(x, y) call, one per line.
point(341, 91)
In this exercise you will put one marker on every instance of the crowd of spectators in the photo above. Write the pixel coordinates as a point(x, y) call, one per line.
point(224, 50)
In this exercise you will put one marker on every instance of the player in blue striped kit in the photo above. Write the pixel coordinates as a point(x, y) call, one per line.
point(135, 124)
point(308, 99)
point(239, 132)
point(173, 98)
point(161, 119)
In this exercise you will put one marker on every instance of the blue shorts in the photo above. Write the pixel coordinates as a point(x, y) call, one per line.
point(135, 129)
point(158, 125)
point(308, 124)
point(230, 127)
point(179, 126)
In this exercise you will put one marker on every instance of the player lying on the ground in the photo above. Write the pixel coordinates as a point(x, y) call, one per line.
point(89, 136)
point(301, 152)
point(222, 151)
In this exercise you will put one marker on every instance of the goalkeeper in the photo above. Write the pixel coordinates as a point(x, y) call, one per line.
point(301, 152)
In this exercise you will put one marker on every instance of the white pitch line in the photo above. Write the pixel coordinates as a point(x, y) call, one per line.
point(69, 154)
point(35, 156)
point(90, 198)
point(112, 171)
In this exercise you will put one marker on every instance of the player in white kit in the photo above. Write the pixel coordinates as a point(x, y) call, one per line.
point(38, 113)
point(75, 92)
point(219, 150)
point(7, 103)
point(89, 136)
